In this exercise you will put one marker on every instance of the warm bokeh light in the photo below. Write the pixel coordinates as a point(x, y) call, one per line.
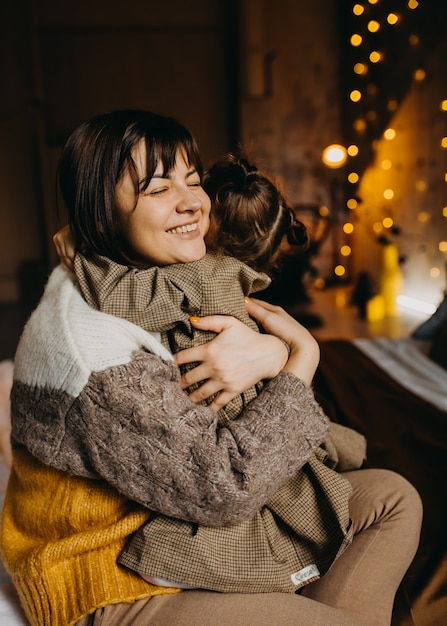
point(419, 75)
point(334, 156)
point(345, 250)
point(386, 164)
point(375, 56)
point(435, 272)
point(423, 217)
point(444, 211)
point(348, 228)
point(413, 4)
point(389, 134)
point(323, 211)
point(358, 9)
point(392, 18)
point(355, 95)
point(387, 222)
point(392, 105)
point(361, 69)
point(420, 185)
point(359, 125)
point(443, 246)
point(352, 203)
point(353, 177)
point(352, 150)
point(444, 142)
point(414, 39)
point(377, 227)
point(356, 40)
point(444, 105)
point(388, 194)
point(373, 26)
point(373, 1)
point(339, 270)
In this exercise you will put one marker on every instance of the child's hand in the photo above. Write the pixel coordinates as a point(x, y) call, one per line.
point(65, 246)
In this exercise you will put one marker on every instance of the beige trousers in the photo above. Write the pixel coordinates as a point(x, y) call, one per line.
point(358, 590)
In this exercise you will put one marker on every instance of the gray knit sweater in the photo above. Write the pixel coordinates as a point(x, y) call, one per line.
point(97, 396)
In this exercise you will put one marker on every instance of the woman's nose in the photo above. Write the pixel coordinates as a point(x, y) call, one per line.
point(188, 201)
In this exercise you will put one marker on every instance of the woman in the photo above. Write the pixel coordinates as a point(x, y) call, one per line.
point(100, 418)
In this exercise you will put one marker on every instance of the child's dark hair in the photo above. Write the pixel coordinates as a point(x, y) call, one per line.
point(249, 216)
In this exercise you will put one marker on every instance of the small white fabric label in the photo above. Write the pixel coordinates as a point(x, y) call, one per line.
point(304, 574)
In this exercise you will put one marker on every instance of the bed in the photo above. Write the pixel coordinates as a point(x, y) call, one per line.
point(394, 391)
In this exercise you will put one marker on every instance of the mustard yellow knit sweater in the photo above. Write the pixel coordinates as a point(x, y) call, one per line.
point(61, 539)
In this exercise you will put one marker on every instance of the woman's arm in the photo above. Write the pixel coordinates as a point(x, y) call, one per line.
point(138, 431)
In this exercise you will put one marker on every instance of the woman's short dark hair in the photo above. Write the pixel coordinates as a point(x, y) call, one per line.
point(93, 161)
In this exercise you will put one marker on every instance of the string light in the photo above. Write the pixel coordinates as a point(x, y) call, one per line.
point(392, 19)
point(348, 228)
point(375, 56)
point(358, 9)
point(389, 134)
point(373, 26)
point(356, 40)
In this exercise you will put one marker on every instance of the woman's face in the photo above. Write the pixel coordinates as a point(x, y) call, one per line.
point(171, 218)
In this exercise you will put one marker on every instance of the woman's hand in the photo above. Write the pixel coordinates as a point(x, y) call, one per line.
point(304, 349)
point(65, 246)
point(232, 362)
point(239, 357)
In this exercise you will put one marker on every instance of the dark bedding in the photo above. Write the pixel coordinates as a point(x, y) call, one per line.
point(407, 434)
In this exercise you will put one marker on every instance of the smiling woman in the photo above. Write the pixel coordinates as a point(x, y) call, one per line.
point(105, 440)
point(170, 219)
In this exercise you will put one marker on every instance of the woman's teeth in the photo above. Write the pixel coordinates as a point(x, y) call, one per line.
point(182, 229)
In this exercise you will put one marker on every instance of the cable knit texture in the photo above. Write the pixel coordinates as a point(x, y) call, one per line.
point(102, 433)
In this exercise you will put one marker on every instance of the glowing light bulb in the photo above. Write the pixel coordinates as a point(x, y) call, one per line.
point(348, 228)
point(345, 250)
point(373, 26)
point(339, 270)
point(392, 18)
point(355, 95)
point(361, 69)
point(353, 150)
point(389, 134)
point(356, 40)
point(334, 156)
point(375, 56)
point(387, 222)
point(419, 75)
point(413, 4)
point(358, 9)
